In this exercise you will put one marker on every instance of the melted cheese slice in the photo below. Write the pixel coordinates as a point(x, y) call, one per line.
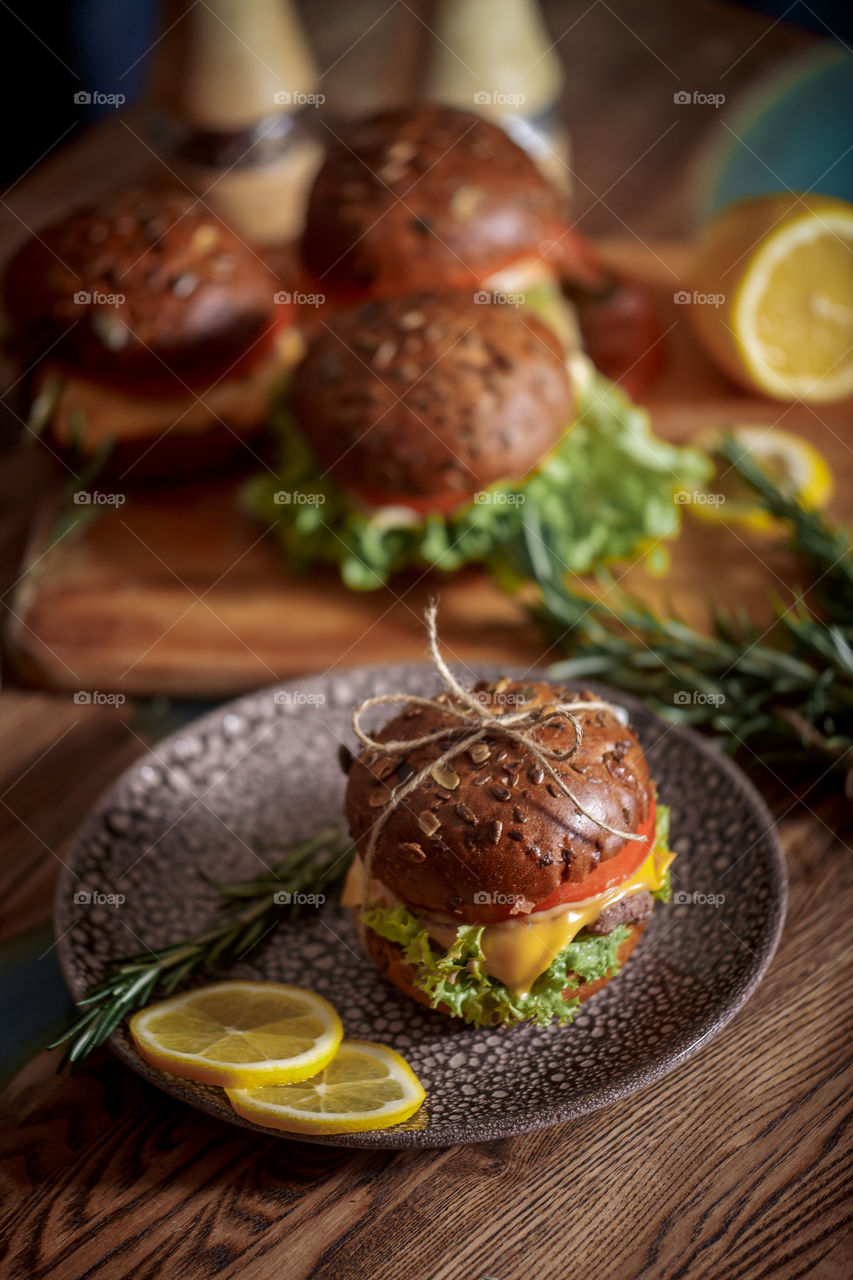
point(518, 950)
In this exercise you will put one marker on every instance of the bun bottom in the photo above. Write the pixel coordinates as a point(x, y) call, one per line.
point(388, 958)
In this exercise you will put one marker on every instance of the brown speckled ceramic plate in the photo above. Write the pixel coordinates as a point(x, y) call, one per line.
point(264, 768)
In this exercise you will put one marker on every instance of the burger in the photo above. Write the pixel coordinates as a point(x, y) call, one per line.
point(436, 429)
point(432, 197)
point(151, 333)
point(511, 881)
point(425, 400)
point(428, 425)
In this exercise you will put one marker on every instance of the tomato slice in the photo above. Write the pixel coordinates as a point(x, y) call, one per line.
point(622, 334)
point(613, 871)
point(568, 253)
point(577, 262)
point(164, 384)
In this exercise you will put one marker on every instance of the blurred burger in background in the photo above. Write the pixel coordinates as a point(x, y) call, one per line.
point(434, 430)
point(151, 334)
point(424, 401)
point(433, 197)
point(446, 406)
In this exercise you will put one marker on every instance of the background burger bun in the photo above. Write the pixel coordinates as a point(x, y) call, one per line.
point(147, 282)
point(501, 830)
point(153, 337)
point(425, 197)
point(431, 395)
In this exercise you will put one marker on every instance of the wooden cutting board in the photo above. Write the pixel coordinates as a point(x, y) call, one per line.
point(177, 592)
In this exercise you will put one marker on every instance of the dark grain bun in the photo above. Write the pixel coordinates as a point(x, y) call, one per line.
point(388, 958)
point(431, 394)
point(426, 197)
point(504, 829)
point(194, 293)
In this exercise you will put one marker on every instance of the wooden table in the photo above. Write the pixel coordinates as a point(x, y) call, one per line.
point(734, 1165)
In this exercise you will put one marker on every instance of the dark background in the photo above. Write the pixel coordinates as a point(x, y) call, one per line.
point(55, 47)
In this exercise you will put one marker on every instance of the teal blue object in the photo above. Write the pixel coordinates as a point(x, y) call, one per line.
point(794, 131)
point(34, 1001)
point(35, 1005)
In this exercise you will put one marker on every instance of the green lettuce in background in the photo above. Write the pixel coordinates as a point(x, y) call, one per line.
point(604, 493)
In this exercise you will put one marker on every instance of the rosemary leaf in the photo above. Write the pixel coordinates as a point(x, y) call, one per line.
point(243, 918)
point(786, 694)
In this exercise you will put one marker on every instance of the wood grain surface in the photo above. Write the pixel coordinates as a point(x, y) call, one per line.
point(737, 1165)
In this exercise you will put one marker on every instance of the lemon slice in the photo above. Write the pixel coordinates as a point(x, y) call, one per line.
point(239, 1033)
point(365, 1086)
point(774, 297)
point(796, 465)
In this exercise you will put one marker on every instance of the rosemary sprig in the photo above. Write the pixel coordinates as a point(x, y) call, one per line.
point(825, 549)
point(247, 911)
point(785, 695)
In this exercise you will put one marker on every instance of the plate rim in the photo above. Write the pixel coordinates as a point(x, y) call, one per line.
point(630, 1082)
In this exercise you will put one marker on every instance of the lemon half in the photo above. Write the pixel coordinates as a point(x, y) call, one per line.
point(784, 266)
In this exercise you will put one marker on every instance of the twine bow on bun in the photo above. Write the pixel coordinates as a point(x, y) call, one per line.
point(476, 718)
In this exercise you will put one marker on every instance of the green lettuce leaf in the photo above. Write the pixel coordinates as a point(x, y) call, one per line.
point(664, 893)
point(604, 493)
point(662, 815)
point(457, 978)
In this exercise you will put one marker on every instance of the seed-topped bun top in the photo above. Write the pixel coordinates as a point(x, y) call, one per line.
point(431, 395)
point(148, 278)
point(492, 822)
point(425, 197)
